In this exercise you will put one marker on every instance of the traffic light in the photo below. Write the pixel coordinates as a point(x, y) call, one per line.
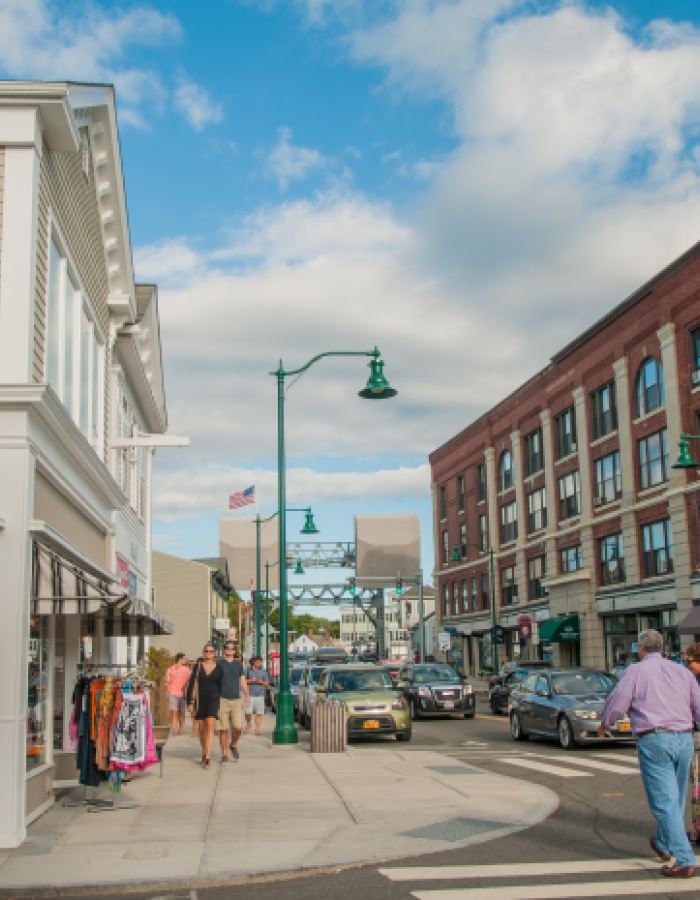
point(352, 586)
point(399, 585)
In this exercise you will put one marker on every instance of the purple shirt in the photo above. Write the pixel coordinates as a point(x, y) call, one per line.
point(657, 693)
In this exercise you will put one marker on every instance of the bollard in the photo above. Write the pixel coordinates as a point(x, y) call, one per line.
point(329, 730)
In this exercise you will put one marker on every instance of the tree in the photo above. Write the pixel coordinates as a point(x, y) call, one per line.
point(304, 623)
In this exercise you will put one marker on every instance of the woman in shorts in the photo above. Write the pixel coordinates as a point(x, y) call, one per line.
point(176, 679)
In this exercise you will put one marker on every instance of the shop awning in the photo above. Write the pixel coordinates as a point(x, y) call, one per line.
point(557, 631)
point(691, 623)
point(65, 583)
point(133, 617)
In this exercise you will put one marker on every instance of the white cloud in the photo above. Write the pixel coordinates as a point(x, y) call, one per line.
point(197, 490)
point(87, 43)
point(196, 105)
point(286, 162)
point(574, 182)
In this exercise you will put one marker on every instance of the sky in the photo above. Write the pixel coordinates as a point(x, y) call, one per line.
point(466, 184)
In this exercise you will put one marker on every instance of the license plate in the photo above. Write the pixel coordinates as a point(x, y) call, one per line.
point(624, 726)
point(449, 704)
point(370, 723)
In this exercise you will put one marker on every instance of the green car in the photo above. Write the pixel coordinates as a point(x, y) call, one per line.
point(372, 703)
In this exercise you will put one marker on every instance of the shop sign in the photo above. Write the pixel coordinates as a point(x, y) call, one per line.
point(222, 624)
point(444, 640)
point(452, 630)
point(541, 615)
point(524, 628)
point(123, 572)
point(466, 632)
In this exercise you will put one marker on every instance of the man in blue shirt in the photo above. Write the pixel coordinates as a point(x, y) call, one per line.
point(257, 680)
point(230, 719)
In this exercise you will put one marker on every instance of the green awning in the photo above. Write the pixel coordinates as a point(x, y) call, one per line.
point(556, 631)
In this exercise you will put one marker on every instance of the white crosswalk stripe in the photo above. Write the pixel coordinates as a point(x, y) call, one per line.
point(561, 771)
point(580, 760)
point(636, 887)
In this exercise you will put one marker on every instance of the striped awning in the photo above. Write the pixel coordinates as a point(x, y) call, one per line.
point(132, 617)
point(62, 587)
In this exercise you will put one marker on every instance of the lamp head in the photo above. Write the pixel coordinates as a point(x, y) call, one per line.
point(309, 524)
point(378, 388)
point(299, 569)
point(685, 458)
point(456, 557)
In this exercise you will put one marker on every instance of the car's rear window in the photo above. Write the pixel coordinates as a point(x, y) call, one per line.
point(295, 676)
point(372, 680)
point(315, 674)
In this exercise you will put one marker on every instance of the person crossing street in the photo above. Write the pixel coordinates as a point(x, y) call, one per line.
point(663, 702)
point(233, 683)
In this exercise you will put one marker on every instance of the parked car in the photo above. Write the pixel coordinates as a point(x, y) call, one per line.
point(295, 674)
point(307, 692)
point(436, 689)
point(372, 704)
point(500, 691)
point(330, 655)
point(564, 704)
point(393, 667)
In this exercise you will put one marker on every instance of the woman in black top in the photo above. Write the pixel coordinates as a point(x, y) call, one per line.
point(203, 694)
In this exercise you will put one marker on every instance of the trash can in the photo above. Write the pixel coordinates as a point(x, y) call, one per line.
point(329, 730)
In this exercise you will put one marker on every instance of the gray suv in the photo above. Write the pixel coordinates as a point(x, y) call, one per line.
point(436, 689)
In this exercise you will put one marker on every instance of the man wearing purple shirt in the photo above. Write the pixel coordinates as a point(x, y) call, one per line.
point(663, 701)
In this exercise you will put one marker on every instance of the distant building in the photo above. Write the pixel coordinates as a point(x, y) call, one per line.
point(400, 614)
point(303, 644)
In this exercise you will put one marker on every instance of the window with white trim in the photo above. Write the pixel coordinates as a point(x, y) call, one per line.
point(74, 349)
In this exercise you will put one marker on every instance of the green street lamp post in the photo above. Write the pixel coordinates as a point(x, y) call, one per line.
point(268, 566)
point(309, 528)
point(456, 557)
point(377, 388)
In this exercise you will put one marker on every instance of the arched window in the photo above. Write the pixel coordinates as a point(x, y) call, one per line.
point(650, 387)
point(505, 471)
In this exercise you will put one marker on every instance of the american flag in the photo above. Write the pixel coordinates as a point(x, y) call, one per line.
point(242, 498)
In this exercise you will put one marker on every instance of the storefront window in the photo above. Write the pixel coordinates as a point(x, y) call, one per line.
point(622, 633)
point(38, 688)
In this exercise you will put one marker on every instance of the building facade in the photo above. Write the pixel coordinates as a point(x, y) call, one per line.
point(569, 481)
point(81, 389)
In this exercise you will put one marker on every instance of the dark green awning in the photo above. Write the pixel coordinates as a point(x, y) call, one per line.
point(557, 631)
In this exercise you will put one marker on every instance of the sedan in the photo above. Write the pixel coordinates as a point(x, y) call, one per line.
point(565, 705)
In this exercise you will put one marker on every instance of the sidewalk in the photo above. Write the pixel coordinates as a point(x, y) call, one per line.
point(278, 809)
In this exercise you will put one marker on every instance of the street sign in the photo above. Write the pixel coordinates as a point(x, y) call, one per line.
point(500, 634)
point(452, 630)
point(444, 640)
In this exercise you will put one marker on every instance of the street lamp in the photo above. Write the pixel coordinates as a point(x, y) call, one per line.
point(685, 457)
point(268, 566)
point(456, 557)
point(309, 528)
point(377, 388)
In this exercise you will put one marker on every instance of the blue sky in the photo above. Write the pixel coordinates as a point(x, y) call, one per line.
point(466, 183)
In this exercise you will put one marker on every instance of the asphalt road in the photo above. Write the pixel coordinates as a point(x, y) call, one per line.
point(602, 817)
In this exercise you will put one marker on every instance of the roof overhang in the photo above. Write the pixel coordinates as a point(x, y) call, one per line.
point(41, 110)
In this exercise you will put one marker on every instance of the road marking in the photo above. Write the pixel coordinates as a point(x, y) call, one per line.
point(603, 754)
point(632, 769)
point(665, 886)
point(495, 718)
point(543, 767)
point(519, 870)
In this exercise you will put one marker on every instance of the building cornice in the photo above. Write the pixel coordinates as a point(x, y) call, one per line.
point(39, 400)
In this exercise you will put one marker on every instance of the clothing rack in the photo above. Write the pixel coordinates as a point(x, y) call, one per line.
point(91, 800)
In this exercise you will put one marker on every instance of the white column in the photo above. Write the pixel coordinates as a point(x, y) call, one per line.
point(18, 264)
point(550, 490)
point(627, 456)
point(492, 498)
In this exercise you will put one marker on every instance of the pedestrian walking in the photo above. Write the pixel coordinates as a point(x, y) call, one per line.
point(233, 684)
point(663, 702)
point(176, 679)
point(692, 657)
point(257, 679)
point(203, 697)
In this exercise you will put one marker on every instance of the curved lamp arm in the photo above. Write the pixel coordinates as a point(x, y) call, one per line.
point(284, 373)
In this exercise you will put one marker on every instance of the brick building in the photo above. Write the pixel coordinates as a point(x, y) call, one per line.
point(570, 481)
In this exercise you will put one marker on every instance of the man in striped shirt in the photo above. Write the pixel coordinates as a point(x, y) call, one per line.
point(663, 702)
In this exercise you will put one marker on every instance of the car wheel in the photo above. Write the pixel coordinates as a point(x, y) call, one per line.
point(469, 715)
point(495, 708)
point(566, 734)
point(414, 710)
point(404, 736)
point(516, 731)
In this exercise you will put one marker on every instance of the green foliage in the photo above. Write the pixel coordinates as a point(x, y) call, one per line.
point(158, 662)
point(304, 623)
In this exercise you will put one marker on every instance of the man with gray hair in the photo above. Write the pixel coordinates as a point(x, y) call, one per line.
point(663, 701)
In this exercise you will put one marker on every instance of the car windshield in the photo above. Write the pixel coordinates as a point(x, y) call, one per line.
point(315, 675)
point(582, 683)
point(371, 680)
point(427, 674)
point(295, 676)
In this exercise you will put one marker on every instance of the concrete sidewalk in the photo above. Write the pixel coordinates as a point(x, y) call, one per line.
point(277, 809)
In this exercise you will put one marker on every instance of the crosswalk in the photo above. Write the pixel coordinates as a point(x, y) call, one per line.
point(646, 880)
point(574, 765)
